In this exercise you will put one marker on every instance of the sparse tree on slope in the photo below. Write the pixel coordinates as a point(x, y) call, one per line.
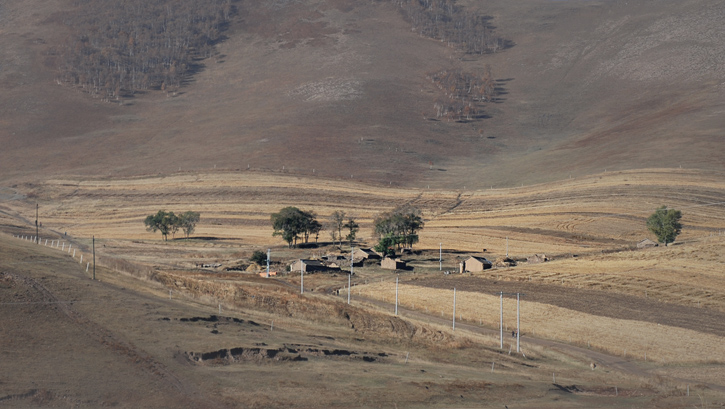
point(163, 221)
point(665, 224)
point(188, 221)
point(292, 222)
point(401, 226)
point(336, 223)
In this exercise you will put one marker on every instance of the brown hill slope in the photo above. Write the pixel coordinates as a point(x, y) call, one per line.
point(340, 87)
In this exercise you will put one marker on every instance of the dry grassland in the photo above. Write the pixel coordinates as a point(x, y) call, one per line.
point(628, 338)
point(571, 216)
point(588, 226)
point(690, 274)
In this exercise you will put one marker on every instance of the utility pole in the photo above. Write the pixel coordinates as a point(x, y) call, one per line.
point(94, 257)
point(500, 320)
point(396, 296)
point(454, 308)
point(518, 322)
point(349, 278)
point(36, 224)
point(507, 246)
point(267, 263)
point(518, 319)
point(440, 256)
point(302, 277)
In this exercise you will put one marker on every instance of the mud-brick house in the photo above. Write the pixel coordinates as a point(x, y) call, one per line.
point(365, 254)
point(474, 264)
point(392, 264)
point(308, 266)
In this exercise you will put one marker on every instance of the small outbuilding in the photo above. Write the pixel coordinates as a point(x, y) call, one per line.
point(365, 254)
point(475, 263)
point(392, 264)
point(646, 243)
point(308, 266)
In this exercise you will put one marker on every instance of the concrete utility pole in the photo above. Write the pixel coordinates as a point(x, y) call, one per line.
point(36, 224)
point(94, 257)
point(440, 256)
point(302, 278)
point(500, 320)
point(349, 278)
point(518, 320)
point(454, 308)
point(396, 296)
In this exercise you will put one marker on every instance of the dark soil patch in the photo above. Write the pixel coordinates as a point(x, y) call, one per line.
point(292, 353)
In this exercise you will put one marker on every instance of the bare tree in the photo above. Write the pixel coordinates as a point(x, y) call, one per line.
point(336, 223)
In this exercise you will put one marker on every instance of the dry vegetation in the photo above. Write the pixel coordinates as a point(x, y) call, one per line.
point(342, 87)
point(331, 105)
point(598, 300)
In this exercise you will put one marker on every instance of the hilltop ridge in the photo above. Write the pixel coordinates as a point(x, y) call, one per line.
point(342, 89)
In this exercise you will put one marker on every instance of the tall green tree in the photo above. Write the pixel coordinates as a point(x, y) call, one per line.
point(311, 227)
point(665, 224)
point(163, 221)
point(187, 221)
point(291, 223)
point(386, 246)
point(401, 226)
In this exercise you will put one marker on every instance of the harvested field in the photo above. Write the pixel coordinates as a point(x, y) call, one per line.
point(597, 300)
point(624, 335)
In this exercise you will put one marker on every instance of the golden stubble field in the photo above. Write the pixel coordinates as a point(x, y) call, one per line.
point(587, 226)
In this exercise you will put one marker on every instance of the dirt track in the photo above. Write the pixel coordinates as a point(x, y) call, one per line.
point(601, 303)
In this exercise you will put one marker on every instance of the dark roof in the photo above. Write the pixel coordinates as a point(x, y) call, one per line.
point(316, 263)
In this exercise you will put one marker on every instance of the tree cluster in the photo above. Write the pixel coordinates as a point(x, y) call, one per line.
point(397, 228)
point(463, 92)
point(337, 222)
point(292, 223)
point(169, 223)
point(123, 46)
point(665, 224)
point(445, 21)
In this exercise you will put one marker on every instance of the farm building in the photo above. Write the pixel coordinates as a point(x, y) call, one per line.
point(646, 243)
point(392, 264)
point(308, 266)
point(334, 258)
point(475, 263)
point(365, 254)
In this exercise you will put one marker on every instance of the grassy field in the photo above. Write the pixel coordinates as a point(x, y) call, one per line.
point(597, 300)
point(151, 348)
point(605, 111)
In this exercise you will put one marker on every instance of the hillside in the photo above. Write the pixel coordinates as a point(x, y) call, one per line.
point(343, 88)
point(188, 321)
